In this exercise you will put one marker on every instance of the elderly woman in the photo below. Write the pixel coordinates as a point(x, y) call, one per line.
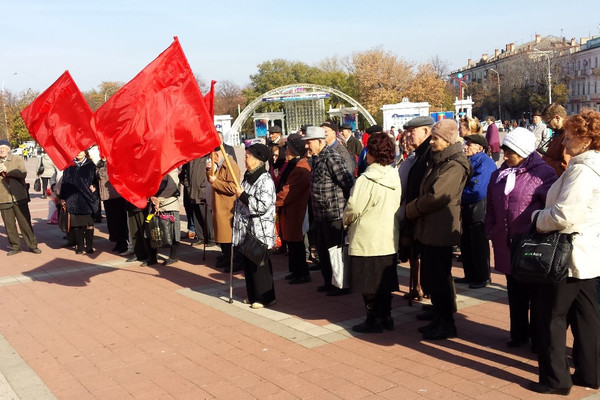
point(475, 249)
point(255, 212)
point(516, 189)
point(470, 126)
point(573, 205)
point(437, 215)
point(79, 192)
point(374, 207)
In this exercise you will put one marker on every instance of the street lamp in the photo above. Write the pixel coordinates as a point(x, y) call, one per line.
point(547, 54)
point(4, 106)
point(461, 82)
point(499, 114)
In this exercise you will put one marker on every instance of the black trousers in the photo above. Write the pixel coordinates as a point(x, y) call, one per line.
point(475, 252)
point(297, 258)
point(436, 278)
point(116, 219)
point(328, 234)
point(202, 218)
point(259, 281)
point(522, 306)
point(576, 299)
point(139, 242)
point(18, 214)
point(45, 182)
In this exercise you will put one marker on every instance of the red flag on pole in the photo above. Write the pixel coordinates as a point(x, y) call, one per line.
point(209, 99)
point(59, 120)
point(155, 123)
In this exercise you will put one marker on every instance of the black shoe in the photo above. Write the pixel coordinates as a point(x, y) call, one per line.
point(170, 261)
point(289, 277)
point(461, 280)
point(517, 342)
point(388, 323)
point(369, 326)
point(133, 259)
point(148, 263)
point(443, 330)
point(36, 251)
point(337, 292)
point(300, 279)
point(315, 267)
point(478, 285)
point(426, 316)
point(432, 324)
point(324, 288)
point(13, 252)
point(579, 382)
point(427, 307)
point(541, 388)
point(223, 263)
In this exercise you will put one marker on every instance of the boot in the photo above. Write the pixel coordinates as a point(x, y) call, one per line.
point(121, 246)
point(373, 323)
point(151, 260)
point(430, 326)
point(77, 233)
point(384, 303)
point(445, 329)
point(173, 255)
point(88, 237)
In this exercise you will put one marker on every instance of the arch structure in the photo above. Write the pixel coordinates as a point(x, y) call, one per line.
point(234, 133)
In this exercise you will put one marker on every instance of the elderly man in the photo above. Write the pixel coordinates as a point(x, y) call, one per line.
point(331, 131)
point(331, 182)
point(540, 131)
point(353, 145)
point(13, 201)
point(554, 116)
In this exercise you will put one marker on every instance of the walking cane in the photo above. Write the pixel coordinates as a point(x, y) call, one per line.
point(231, 264)
point(205, 229)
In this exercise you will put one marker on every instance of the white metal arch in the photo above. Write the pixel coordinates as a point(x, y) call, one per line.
point(250, 108)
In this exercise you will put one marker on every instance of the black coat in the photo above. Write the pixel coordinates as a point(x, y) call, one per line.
point(75, 189)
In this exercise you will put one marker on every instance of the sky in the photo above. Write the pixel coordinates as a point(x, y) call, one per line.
point(112, 40)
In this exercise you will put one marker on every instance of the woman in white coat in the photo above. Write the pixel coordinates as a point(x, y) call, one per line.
point(573, 206)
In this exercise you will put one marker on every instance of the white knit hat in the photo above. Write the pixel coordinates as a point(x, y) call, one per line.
point(521, 141)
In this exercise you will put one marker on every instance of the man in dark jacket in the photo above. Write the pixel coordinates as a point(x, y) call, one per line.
point(331, 183)
point(331, 131)
point(353, 145)
point(193, 178)
point(13, 200)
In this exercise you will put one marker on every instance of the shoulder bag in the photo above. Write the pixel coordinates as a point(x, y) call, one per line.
point(542, 258)
point(252, 248)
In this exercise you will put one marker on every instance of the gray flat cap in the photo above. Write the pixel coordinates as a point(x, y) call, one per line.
point(419, 121)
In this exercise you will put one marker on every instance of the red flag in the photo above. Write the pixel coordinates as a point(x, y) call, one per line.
point(209, 99)
point(153, 124)
point(59, 120)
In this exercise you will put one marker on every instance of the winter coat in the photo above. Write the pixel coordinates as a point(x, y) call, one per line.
point(493, 138)
point(292, 200)
point(509, 215)
point(256, 206)
point(330, 183)
point(49, 167)
point(75, 188)
point(349, 159)
point(372, 213)
point(193, 179)
point(13, 189)
point(223, 200)
point(473, 201)
point(168, 192)
point(555, 156)
point(437, 209)
point(107, 190)
point(354, 145)
point(573, 205)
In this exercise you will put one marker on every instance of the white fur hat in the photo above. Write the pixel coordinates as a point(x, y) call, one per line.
point(521, 141)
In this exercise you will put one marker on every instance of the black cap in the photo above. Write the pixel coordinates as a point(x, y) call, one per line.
point(331, 125)
point(259, 151)
point(374, 129)
point(479, 139)
point(419, 121)
point(345, 126)
point(296, 145)
point(275, 129)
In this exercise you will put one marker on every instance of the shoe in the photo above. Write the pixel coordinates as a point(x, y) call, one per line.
point(370, 325)
point(427, 307)
point(337, 292)
point(443, 330)
point(300, 279)
point(478, 285)
point(132, 259)
point(415, 295)
point(36, 251)
point(170, 261)
point(256, 305)
point(191, 235)
point(388, 323)
point(148, 263)
point(315, 267)
point(461, 280)
point(426, 328)
point(541, 388)
point(324, 288)
point(516, 342)
point(289, 277)
point(426, 316)
point(13, 252)
point(127, 252)
point(579, 382)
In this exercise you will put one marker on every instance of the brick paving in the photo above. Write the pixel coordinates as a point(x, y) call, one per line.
point(97, 327)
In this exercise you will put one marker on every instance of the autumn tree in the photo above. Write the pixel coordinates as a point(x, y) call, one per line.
point(228, 96)
point(427, 86)
point(97, 97)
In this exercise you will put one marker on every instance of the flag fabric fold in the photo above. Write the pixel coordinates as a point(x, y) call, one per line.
point(59, 119)
point(155, 123)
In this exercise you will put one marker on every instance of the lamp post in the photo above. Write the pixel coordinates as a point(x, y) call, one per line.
point(547, 54)
point(4, 106)
point(499, 109)
point(460, 77)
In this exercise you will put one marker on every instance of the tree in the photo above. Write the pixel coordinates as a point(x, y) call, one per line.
point(96, 98)
point(427, 86)
point(17, 130)
point(441, 67)
point(228, 96)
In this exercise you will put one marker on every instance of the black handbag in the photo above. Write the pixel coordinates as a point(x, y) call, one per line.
point(252, 248)
point(37, 185)
point(542, 258)
point(40, 169)
point(159, 230)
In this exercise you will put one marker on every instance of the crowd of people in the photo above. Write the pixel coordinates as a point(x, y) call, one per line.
point(413, 196)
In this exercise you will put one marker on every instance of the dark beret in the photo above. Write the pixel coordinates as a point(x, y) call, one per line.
point(419, 121)
point(275, 129)
point(296, 145)
point(479, 139)
point(374, 129)
point(4, 142)
point(345, 126)
point(259, 151)
point(331, 125)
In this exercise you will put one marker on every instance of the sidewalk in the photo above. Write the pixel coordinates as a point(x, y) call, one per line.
point(96, 327)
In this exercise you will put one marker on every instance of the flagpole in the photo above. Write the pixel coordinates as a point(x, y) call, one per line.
point(235, 179)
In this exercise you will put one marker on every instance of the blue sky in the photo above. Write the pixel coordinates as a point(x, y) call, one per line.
point(113, 40)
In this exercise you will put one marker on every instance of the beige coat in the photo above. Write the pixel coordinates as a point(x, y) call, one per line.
point(223, 201)
point(12, 189)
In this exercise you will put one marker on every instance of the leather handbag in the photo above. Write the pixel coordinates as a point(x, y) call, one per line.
point(252, 248)
point(542, 258)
